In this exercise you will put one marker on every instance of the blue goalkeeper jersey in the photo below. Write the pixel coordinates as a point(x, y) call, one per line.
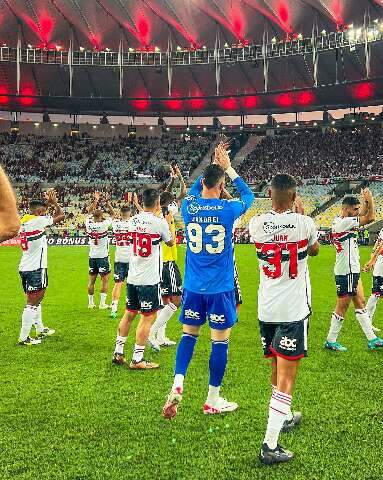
point(209, 263)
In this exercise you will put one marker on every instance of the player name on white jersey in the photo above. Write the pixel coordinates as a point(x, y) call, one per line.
point(146, 232)
point(98, 237)
point(282, 240)
point(344, 237)
point(123, 243)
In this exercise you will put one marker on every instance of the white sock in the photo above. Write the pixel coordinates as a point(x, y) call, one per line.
point(27, 319)
point(162, 318)
point(290, 413)
point(114, 305)
point(138, 352)
point(90, 300)
point(371, 305)
point(178, 382)
point(335, 327)
point(103, 298)
point(38, 320)
point(279, 407)
point(213, 395)
point(120, 343)
point(365, 323)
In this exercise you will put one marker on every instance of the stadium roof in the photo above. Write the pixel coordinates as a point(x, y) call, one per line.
point(100, 25)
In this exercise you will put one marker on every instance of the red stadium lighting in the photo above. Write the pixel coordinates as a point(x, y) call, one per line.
point(196, 103)
point(305, 98)
point(142, 104)
point(27, 99)
point(284, 100)
point(4, 99)
point(229, 103)
point(173, 104)
point(250, 102)
point(363, 91)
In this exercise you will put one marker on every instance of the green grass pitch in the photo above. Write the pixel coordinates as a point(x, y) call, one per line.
point(67, 413)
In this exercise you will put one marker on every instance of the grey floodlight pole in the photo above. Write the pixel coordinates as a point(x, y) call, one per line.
point(265, 60)
point(217, 65)
point(18, 59)
point(170, 70)
point(315, 54)
point(366, 47)
point(70, 62)
point(120, 63)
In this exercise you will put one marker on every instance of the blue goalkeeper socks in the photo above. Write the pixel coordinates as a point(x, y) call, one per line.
point(185, 353)
point(218, 361)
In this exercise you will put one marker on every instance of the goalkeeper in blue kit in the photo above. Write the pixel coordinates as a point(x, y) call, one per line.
point(209, 277)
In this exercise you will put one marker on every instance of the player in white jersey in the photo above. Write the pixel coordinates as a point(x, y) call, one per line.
point(146, 232)
point(97, 228)
point(34, 263)
point(283, 240)
point(347, 269)
point(375, 263)
point(9, 218)
point(122, 255)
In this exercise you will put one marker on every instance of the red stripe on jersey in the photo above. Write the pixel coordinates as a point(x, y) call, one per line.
point(282, 245)
point(34, 232)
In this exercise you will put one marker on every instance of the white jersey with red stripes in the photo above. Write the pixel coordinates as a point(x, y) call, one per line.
point(123, 247)
point(344, 233)
point(282, 240)
point(33, 241)
point(378, 267)
point(98, 237)
point(146, 232)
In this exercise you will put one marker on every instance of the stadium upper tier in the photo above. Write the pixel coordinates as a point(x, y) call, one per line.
point(99, 162)
point(354, 153)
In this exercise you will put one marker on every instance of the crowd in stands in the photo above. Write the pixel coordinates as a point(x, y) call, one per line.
point(315, 155)
point(127, 160)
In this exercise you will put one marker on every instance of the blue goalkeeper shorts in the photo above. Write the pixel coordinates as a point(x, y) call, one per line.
point(219, 308)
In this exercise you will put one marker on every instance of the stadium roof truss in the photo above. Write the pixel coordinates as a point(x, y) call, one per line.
point(189, 57)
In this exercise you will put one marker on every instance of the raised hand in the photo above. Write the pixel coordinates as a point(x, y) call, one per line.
point(222, 156)
point(299, 205)
point(177, 171)
point(129, 197)
point(50, 196)
point(97, 196)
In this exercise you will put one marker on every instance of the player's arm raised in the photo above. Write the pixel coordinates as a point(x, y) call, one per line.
point(246, 195)
point(95, 202)
point(183, 190)
point(136, 202)
point(369, 207)
point(9, 218)
point(109, 206)
point(173, 177)
point(58, 214)
point(167, 235)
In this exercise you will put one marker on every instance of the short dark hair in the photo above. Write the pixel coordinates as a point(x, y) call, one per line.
point(212, 175)
point(126, 209)
point(283, 182)
point(350, 201)
point(36, 203)
point(150, 197)
point(166, 199)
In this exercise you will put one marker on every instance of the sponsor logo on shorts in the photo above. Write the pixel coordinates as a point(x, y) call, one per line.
point(164, 291)
point(146, 305)
point(191, 314)
point(289, 344)
point(214, 318)
point(102, 269)
point(30, 288)
point(263, 341)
